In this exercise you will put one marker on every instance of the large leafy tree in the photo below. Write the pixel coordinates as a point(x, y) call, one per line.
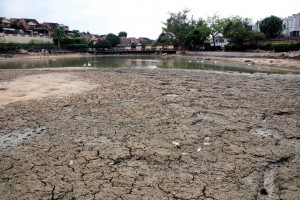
point(58, 35)
point(113, 39)
point(271, 26)
point(122, 34)
point(216, 26)
point(238, 30)
point(184, 32)
point(196, 34)
point(176, 25)
point(102, 44)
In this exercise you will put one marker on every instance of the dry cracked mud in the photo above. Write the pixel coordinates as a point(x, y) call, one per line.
point(152, 134)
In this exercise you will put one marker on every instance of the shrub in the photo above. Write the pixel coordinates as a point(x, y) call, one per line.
point(77, 46)
point(276, 47)
point(285, 47)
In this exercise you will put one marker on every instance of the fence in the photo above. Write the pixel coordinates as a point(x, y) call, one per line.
point(18, 38)
point(279, 39)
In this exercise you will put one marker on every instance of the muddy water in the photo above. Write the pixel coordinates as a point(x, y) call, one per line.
point(154, 134)
point(150, 62)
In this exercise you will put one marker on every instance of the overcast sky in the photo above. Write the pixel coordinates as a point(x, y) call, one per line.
point(139, 18)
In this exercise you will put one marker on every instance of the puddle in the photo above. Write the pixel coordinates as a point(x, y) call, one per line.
point(17, 137)
point(265, 133)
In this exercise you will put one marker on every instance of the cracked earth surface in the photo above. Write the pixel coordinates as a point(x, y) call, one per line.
point(154, 134)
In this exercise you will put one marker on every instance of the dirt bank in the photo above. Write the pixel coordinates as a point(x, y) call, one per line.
point(292, 64)
point(150, 134)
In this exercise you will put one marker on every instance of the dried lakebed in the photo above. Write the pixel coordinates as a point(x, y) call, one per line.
point(149, 134)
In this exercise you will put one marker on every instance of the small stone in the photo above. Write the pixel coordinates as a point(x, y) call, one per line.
point(199, 149)
point(71, 162)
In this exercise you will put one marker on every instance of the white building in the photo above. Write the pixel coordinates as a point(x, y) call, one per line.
point(255, 27)
point(291, 26)
point(219, 41)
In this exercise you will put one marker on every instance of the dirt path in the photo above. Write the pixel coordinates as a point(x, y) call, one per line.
point(151, 134)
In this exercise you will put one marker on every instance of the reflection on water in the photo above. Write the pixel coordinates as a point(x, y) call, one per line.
point(150, 62)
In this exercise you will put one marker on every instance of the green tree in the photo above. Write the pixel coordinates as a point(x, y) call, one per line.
point(271, 26)
point(176, 26)
point(216, 26)
point(113, 39)
point(237, 30)
point(75, 33)
point(102, 44)
point(163, 39)
point(58, 35)
point(122, 34)
point(196, 34)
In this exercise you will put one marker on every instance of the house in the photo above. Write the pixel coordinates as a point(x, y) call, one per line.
point(29, 24)
point(50, 25)
point(139, 47)
point(90, 38)
point(102, 37)
point(5, 22)
point(159, 47)
point(149, 48)
point(219, 41)
point(94, 38)
point(63, 27)
point(169, 47)
point(291, 26)
point(255, 27)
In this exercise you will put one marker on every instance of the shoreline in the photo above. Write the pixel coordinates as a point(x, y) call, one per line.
point(279, 63)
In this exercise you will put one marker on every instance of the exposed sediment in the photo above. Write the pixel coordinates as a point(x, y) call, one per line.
point(153, 134)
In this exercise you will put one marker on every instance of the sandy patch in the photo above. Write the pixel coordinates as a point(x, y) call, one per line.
point(41, 86)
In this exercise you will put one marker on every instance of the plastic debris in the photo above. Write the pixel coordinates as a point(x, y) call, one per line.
point(176, 143)
point(71, 162)
point(199, 149)
point(206, 143)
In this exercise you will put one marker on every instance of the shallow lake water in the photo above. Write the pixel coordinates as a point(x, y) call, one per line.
point(151, 62)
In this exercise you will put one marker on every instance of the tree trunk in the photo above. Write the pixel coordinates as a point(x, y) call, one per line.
point(58, 44)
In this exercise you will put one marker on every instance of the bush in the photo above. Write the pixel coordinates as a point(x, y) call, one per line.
point(285, 47)
point(10, 47)
point(235, 47)
point(77, 46)
point(276, 47)
point(212, 48)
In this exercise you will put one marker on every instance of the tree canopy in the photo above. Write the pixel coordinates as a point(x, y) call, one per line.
point(175, 26)
point(184, 32)
point(102, 44)
point(196, 34)
point(216, 26)
point(122, 34)
point(271, 26)
point(58, 35)
point(113, 39)
point(75, 33)
point(238, 30)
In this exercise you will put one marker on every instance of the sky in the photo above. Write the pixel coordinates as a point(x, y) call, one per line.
point(139, 18)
